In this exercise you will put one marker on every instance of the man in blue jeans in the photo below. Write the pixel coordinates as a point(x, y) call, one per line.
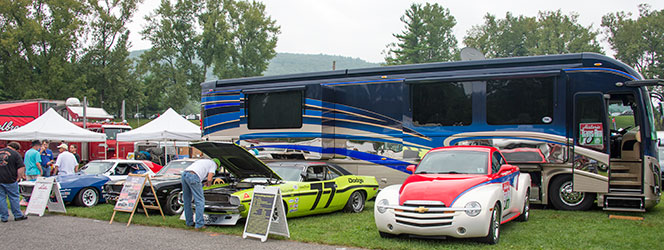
point(192, 187)
point(11, 170)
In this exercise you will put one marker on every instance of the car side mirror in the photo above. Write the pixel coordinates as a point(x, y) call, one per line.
point(411, 168)
point(505, 168)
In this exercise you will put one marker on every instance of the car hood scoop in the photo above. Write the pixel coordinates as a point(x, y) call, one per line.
point(236, 160)
point(438, 187)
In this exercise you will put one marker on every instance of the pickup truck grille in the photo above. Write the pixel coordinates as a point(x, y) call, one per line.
point(423, 218)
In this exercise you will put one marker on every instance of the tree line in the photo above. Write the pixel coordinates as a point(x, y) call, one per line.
point(58, 49)
point(427, 37)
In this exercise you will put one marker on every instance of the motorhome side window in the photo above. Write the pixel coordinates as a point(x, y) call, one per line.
point(519, 101)
point(274, 110)
point(442, 103)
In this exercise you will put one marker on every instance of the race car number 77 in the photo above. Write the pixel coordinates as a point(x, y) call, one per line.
point(320, 187)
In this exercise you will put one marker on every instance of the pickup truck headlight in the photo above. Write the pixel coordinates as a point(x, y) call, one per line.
point(381, 205)
point(234, 200)
point(473, 208)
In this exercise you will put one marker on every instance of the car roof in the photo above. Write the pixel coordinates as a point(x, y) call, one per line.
point(293, 164)
point(466, 147)
point(118, 160)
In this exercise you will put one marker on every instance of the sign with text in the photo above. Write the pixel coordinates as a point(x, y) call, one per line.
point(45, 193)
point(266, 214)
point(131, 190)
point(130, 196)
point(591, 134)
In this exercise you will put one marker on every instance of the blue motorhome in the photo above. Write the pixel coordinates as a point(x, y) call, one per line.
point(580, 124)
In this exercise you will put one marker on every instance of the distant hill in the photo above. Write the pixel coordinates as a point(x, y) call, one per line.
point(291, 63)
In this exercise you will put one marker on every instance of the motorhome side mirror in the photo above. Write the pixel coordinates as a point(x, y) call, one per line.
point(411, 168)
point(507, 168)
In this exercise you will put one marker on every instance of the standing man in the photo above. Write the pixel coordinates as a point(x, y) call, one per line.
point(66, 162)
point(11, 170)
point(192, 177)
point(32, 161)
point(73, 149)
point(46, 158)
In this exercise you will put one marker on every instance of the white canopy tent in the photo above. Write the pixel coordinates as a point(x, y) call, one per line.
point(170, 126)
point(52, 126)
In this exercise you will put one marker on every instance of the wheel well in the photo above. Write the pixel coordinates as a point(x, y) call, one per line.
point(364, 192)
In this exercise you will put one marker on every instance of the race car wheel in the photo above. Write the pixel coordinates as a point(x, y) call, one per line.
point(173, 204)
point(355, 203)
point(87, 197)
point(563, 198)
point(386, 235)
point(526, 208)
point(494, 227)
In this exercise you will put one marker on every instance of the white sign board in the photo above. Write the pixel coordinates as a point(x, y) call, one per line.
point(46, 192)
point(266, 214)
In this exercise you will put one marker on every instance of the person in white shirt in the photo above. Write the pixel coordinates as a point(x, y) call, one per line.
point(192, 187)
point(66, 162)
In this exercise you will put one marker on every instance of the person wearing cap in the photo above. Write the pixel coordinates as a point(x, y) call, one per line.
point(32, 161)
point(66, 162)
point(192, 187)
point(11, 170)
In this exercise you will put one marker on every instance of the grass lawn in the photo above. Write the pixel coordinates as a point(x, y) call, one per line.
point(547, 228)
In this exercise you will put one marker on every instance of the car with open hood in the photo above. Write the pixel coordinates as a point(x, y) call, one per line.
point(84, 187)
point(167, 186)
point(306, 187)
point(457, 191)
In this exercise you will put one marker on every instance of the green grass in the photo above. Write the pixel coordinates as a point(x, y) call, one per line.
point(546, 229)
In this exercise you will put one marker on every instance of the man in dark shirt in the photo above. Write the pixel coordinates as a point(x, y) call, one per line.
point(11, 170)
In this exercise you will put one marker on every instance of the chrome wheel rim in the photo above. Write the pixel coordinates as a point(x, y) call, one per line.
point(175, 203)
point(569, 197)
point(89, 197)
point(496, 224)
point(526, 208)
point(357, 202)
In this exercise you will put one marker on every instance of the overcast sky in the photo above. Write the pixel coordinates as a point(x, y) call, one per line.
point(362, 28)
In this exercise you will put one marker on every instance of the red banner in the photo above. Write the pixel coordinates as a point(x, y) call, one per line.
point(15, 115)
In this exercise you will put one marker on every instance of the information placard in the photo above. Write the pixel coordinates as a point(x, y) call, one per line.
point(131, 190)
point(46, 192)
point(266, 214)
point(130, 196)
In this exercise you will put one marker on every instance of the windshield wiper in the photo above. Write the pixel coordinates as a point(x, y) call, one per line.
point(449, 172)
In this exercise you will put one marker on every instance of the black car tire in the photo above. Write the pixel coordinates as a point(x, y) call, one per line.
point(386, 235)
point(172, 204)
point(559, 202)
point(355, 202)
point(87, 197)
point(493, 236)
point(526, 208)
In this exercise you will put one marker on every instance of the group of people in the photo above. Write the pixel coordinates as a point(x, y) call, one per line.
point(38, 161)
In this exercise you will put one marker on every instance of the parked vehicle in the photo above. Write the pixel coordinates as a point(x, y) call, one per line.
point(306, 187)
point(377, 121)
point(457, 191)
point(167, 185)
point(84, 188)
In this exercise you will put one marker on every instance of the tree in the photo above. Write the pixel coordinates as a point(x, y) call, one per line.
point(170, 66)
point(550, 33)
point(106, 66)
point(39, 45)
point(427, 36)
point(640, 42)
point(238, 38)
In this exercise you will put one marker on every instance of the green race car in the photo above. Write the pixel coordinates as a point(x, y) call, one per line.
point(306, 187)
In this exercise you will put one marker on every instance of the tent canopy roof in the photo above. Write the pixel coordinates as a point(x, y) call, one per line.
point(52, 126)
point(170, 126)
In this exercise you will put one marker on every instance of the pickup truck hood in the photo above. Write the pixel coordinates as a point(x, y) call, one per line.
point(236, 160)
point(438, 187)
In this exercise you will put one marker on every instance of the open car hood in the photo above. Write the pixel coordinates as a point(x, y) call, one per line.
point(236, 160)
